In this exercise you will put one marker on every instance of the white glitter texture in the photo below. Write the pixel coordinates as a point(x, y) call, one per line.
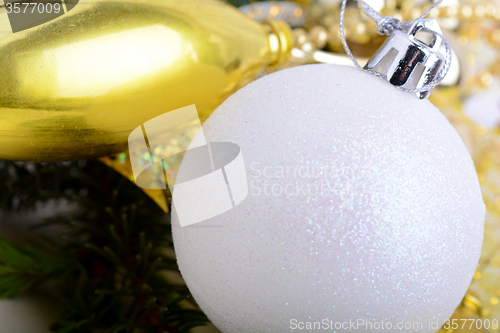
point(395, 237)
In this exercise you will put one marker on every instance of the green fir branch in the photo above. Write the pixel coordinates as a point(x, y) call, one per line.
point(113, 277)
point(23, 268)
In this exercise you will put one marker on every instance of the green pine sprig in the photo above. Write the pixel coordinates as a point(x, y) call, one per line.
point(23, 268)
point(112, 261)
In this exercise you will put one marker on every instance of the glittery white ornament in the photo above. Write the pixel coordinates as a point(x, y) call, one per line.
point(364, 210)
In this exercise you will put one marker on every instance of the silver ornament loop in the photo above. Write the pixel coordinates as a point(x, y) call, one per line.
point(407, 62)
point(403, 46)
point(386, 25)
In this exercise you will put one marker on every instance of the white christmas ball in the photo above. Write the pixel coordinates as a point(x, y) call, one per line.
point(364, 210)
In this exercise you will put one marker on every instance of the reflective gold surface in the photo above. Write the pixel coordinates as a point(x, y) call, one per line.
point(75, 87)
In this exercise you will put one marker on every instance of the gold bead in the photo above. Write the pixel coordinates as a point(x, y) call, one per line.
point(360, 28)
point(496, 13)
point(319, 36)
point(398, 16)
point(316, 10)
point(494, 37)
point(350, 25)
point(392, 12)
point(334, 38)
point(485, 79)
point(434, 13)
point(471, 30)
point(443, 12)
point(491, 11)
point(407, 5)
point(466, 12)
point(274, 11)
point(308, 47)
point(448, 12)
point(405, 13)
point(495, 68)
point(360, 34)
point(330, 19)
point(371, 28)
point(298, 12)
point(391, 4)
point(415, 13)
point(462, 41)
point(300, 37)
point(479, 12)
point(259, 13)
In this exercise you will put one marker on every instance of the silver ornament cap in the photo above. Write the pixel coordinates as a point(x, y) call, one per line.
point(407, 62)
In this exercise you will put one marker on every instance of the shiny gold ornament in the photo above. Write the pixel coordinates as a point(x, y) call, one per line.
point(75, 87)
point(319, 36)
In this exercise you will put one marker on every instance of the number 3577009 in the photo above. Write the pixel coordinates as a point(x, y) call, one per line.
point(467, 324)
point(33, 7)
